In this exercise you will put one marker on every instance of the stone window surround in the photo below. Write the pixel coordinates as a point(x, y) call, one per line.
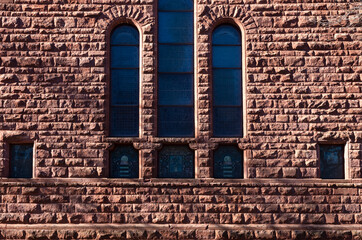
point(148, 167)
point(15, 137)
point(347, 163)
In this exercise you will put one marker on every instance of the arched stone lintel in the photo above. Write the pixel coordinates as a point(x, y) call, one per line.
point(129, 14)
point(211, 17)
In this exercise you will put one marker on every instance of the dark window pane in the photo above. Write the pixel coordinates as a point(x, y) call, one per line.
point(226, 56)
point(226, 35)
point(124, 162)
point(125, 35)
point(173, 5)
point(227, 121)
point(21, 160)
point(175, 27)
point(124, 121)
point(125, 86)
point(176, 121)
point(228, 162)
point(175, 58)
point(124, 57)
point(176, 162)
point(332, 161)
point(227, 87)
point(175, 89)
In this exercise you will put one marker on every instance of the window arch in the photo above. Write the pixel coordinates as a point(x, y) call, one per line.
point(124, 100)
point(175, 68)
point(227, 81)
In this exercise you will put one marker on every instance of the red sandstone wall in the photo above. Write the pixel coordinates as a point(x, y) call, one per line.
point(193, 209)
point(303, 86)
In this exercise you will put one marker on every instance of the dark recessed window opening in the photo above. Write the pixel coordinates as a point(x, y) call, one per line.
point(332, 161)
point(175, 68)
point(227, 81)
point(228, 162)
point(176, 162)
point(124, 102)
point(124, 162)
point(21, 161)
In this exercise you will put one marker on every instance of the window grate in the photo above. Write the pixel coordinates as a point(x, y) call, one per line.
point(176, 162)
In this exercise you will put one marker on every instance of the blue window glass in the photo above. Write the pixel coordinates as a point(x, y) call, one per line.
point(175, 59)
point(227, 81)
point(227, 121)
point(124, 120)
point(124, 57)
point(124, 162)
point(21, 161)
point(175, 5)
point(331, 161)
point(226, 35)
point(176, 162)
point(175, 68)
point(227, 86)
point(124, 102)
point(175, 27)
point(175, 89)
point(182, 117)
point(125, 35)
point(228, 162)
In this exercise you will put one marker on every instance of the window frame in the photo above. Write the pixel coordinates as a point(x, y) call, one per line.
point(194, 75)
point(240, 27)
point(110, 68)
point(346, 159)
point(113, 25)
point(227, 22)
point(242, 154)
point(139, 173)
point(194, 156)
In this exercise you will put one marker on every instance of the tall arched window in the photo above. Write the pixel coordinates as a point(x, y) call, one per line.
point(227, 82)
point(175, 68)
point(124, 102)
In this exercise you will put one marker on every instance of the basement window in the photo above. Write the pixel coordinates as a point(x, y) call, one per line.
point(228, 162)
point(21, 161)
point(124, 162)
point(331, 161)
point(176, 162)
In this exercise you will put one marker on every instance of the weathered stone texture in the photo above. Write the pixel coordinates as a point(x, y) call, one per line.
point(302, 87)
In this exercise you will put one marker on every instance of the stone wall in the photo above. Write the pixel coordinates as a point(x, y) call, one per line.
point(302, 86)
point(193, 209)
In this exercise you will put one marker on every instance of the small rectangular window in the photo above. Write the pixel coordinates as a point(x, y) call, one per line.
point(228, 162)
point(176, 162)
point(331, 161)
point(124, 162)
point(21, 161)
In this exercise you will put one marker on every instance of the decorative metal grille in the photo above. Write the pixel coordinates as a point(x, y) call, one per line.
point(124, 162)
point(228, 162)
point(176, 162)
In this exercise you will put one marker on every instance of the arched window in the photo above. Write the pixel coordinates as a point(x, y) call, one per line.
point(124, 102)
point(175, 68)
point(227, 82)
point(228, 162)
